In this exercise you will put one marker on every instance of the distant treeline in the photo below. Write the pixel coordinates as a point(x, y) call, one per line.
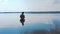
point(50, 12)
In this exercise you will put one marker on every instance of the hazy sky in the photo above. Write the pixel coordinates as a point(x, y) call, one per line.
point(29, 5)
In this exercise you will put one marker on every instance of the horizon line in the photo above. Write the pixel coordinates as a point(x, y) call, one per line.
point(31, 12)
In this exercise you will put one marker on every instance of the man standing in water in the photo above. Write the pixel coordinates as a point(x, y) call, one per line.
point(22, 20)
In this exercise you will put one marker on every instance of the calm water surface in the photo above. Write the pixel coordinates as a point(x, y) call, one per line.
point(10, 23)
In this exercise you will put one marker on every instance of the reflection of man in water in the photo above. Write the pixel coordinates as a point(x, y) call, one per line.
point(22, 20)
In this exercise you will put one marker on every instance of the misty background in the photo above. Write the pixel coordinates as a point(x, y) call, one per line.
point(29, 5)
point(34, 23)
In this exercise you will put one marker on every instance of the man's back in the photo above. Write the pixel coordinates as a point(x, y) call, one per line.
point(22, 16)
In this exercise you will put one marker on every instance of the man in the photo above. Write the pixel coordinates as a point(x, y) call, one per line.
point(22, 20)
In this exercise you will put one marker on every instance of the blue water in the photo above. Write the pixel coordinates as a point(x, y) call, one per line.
point(18, 30)
point(9, 23)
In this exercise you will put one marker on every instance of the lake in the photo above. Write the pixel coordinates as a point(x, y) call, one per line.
point(10, 23)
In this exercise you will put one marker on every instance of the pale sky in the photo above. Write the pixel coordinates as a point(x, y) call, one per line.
point(29, 5)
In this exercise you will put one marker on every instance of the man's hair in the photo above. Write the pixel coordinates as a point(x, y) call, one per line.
point(22, 12)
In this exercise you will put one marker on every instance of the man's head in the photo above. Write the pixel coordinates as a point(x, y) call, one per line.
point(22, 12)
